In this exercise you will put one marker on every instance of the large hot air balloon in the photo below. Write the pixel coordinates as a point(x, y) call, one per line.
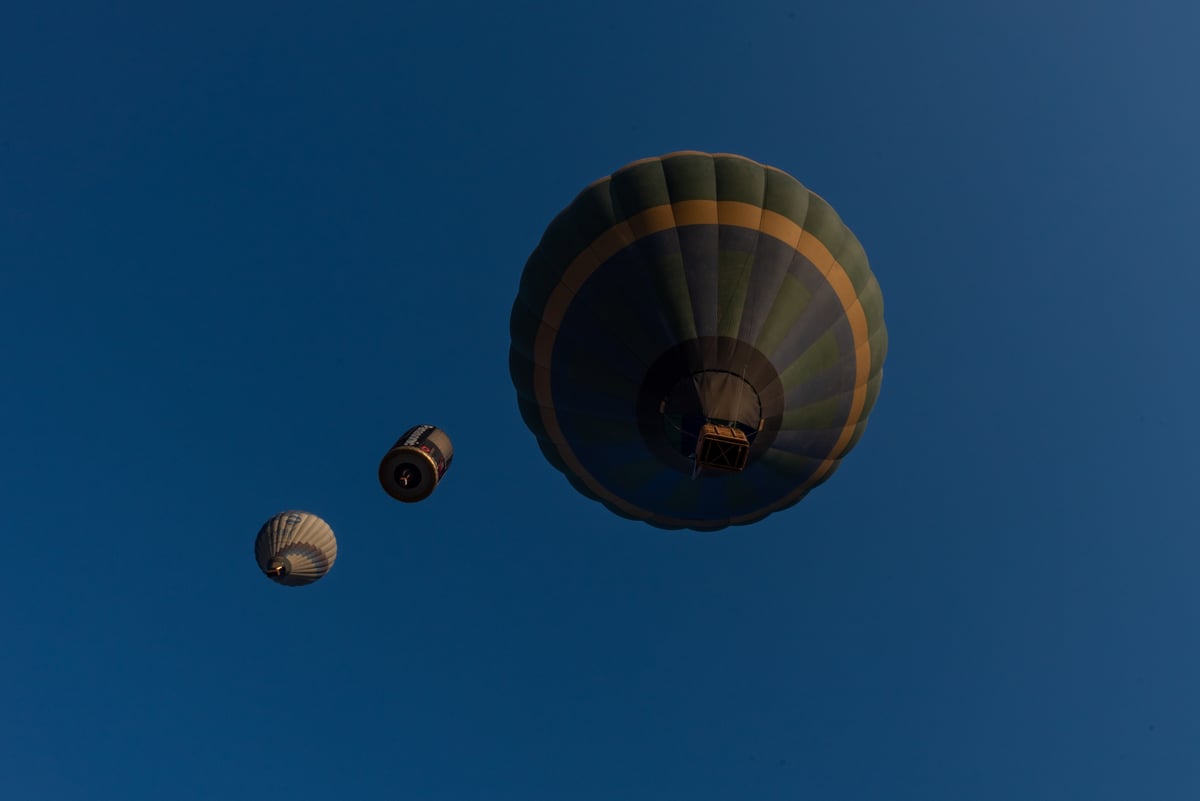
point(295, 548)
point(697, 341)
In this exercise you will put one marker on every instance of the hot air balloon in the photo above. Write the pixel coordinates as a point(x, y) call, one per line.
point(697, 341)
point(412, 468)
point(295, 548)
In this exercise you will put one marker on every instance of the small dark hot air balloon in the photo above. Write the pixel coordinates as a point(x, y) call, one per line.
point(412, 468)
point(697, 341)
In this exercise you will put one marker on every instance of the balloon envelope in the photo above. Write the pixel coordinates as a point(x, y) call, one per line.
point(295, 548)
point(412, 468)
point(697, 341)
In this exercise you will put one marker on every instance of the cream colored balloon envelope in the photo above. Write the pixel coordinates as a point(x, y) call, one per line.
point(295, 548)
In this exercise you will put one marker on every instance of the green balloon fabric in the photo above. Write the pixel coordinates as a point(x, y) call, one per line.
point(692, 289)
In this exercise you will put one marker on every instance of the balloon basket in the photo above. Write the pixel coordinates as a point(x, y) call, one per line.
point(722, 448)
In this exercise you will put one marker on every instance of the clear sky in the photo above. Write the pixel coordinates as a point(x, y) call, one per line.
point(243, 246)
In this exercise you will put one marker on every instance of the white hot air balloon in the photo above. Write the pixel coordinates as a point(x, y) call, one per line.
point(295, 548)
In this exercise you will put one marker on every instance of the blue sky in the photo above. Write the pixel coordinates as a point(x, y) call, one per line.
point(244, 246)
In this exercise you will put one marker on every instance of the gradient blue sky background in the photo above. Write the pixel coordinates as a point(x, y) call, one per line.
point(244, 245)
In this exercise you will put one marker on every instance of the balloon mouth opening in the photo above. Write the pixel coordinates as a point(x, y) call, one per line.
point(276, 570)
point(712, 417)
point(407, 475)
